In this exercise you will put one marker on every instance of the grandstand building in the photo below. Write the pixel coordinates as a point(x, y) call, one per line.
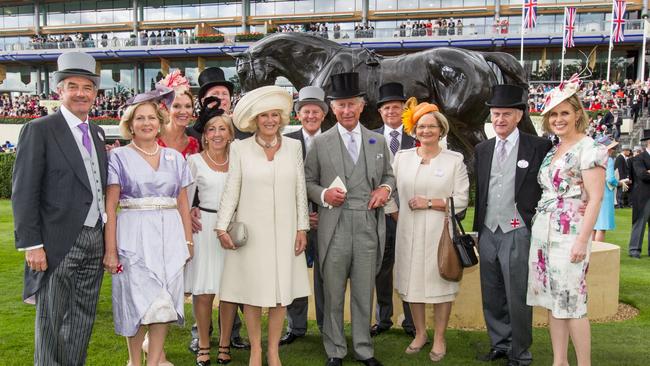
point(137, 40)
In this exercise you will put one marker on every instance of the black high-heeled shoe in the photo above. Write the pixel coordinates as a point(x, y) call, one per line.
point(223, 361)
point(203, 351)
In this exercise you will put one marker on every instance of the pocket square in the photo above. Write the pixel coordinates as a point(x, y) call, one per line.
point(380, 156)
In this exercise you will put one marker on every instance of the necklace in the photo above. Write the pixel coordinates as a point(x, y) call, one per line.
point(214, 162)
point(144, 151)
point(265, 144)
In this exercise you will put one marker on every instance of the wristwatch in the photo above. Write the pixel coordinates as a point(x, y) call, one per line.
point(429, 204)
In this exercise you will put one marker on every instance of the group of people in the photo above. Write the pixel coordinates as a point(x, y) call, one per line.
point(231, 208)
point(104, 105)
point(437, 27)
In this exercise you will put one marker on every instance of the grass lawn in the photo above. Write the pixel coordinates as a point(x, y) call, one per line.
point(623, 343)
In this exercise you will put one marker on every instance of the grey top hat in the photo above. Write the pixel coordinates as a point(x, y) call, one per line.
point(311, 95)
point(76, 64)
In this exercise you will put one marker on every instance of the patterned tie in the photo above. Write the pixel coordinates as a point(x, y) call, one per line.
point(85, 137)
point(501, 151)
point(353, 150)
point(394, 143)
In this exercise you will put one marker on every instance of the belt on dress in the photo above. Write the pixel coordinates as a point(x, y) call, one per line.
point(207, 209)
point(148, 203)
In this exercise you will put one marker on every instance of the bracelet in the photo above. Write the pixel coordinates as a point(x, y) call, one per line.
point(189, 243)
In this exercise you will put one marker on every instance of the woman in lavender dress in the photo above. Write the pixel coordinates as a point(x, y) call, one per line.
point(149, 242)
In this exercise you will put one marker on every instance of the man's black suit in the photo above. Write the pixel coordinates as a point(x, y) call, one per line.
point(297, 311)
point(640, 203)
point(384, 277)
point(504, 255)
point(620, 165)
point(51, 197)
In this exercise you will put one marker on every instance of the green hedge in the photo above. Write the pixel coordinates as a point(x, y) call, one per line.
point(249, 37)
point(6, 166)
point(216, 38)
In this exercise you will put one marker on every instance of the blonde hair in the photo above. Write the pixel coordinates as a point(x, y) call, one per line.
point(126, 122)
point(223, 118)
point(440, 118)
point(583, 119)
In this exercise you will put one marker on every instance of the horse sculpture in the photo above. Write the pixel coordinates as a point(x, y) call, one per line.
point(459, 81)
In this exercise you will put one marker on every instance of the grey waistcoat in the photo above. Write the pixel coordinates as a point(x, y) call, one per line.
point(357, 184)
point(501, 205)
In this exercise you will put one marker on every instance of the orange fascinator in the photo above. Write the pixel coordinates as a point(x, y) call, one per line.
point(412, 113)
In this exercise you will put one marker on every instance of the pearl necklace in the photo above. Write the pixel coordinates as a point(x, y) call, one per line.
point(214, 162)
point(144, 151)
point(265, 144)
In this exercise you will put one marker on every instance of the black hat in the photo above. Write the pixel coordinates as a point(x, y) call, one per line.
point(390, 92)
point(345, 85)
point(645, 136)
point(508, 96)
point(210, 77)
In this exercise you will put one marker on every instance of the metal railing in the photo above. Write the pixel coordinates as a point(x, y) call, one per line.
point(467, 30)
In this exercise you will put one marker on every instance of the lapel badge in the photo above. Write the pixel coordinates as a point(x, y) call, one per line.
point(523, 164)
point(372, 141)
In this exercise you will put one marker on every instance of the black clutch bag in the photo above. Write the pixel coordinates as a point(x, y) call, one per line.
point(464, 243)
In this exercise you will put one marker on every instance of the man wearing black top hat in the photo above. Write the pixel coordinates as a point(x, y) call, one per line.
point(640, 198)
point(390, 106)
point(507, 193)
point(215, 93)
point(349, 176)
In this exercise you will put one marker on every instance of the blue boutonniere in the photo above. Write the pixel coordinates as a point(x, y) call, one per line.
point(372, 141)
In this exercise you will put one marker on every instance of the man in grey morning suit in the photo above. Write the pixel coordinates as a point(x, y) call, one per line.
point(58, 202)
point(311, 110)
point(351, 226)
point(507, 193)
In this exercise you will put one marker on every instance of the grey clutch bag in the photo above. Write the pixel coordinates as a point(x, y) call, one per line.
point(238, 233)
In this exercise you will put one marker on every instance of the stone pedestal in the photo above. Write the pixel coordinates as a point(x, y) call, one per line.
point(467, 311)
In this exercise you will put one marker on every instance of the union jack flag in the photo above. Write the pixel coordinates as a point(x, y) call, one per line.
point(569, 26)
point(530, 13)
point(618, 23)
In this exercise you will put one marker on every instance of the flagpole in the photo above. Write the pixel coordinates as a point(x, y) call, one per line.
point(611, 41)
point(521, 51)
point(563, 46)
point(645, 25)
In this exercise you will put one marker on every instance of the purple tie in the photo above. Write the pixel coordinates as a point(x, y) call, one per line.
point(394, 143)
point(85, 137)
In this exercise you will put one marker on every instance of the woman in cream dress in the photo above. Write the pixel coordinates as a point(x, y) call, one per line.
point(265, 191)
point(426, 176)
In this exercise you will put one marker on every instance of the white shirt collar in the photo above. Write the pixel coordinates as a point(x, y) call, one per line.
point(72, 120)
point(344, 132)
point(512, 138)
point(307, 136)
point(388, 129)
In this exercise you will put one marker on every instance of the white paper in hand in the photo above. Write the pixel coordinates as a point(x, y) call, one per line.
point(338, 183)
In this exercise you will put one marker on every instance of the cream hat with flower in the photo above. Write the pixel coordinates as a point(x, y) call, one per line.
point(260, 100)
point(561, 93)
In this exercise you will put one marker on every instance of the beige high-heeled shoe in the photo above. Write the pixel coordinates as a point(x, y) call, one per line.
point(410, 350)
point(436, 357)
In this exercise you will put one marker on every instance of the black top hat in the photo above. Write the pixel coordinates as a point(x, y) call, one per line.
point(390, 92)
point(645, 136)
point(210, 77)
point(345, 85)
point(508, 96)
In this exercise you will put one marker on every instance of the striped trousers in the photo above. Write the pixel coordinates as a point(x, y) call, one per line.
point(67, 302)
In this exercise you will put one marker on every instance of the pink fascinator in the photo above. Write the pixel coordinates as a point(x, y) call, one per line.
point(175, 80)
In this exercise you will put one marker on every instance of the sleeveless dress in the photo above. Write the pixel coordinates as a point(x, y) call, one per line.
point(150, 239)
point(606, 216)
point(192, 147)
point(203, 272)
point(553, 281)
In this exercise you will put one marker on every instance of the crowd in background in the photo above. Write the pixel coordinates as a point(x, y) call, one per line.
point(105, 105)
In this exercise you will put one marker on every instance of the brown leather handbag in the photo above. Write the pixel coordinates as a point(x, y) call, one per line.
point(449, 265)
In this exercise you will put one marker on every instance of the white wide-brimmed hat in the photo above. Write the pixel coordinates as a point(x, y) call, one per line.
point(76, 64)
point(561, 93)
point(260, 100)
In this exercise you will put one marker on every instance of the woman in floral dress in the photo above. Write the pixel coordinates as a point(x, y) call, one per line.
point(572, 173)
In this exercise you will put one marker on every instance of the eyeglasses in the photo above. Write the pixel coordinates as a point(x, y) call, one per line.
point(424, 127)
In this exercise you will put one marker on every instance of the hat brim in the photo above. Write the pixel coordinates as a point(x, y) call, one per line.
point(518, 105)
point(390, 99)
point(260, 100)
point(64, 74)
point(320, 103)
point(205, 87)
point(612, 145)
point(644, 138)
point(335, 97)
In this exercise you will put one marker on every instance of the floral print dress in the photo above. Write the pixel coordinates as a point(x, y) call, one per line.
point(553, 281)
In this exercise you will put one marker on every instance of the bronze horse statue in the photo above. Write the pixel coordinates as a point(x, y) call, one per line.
point(459, 81)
